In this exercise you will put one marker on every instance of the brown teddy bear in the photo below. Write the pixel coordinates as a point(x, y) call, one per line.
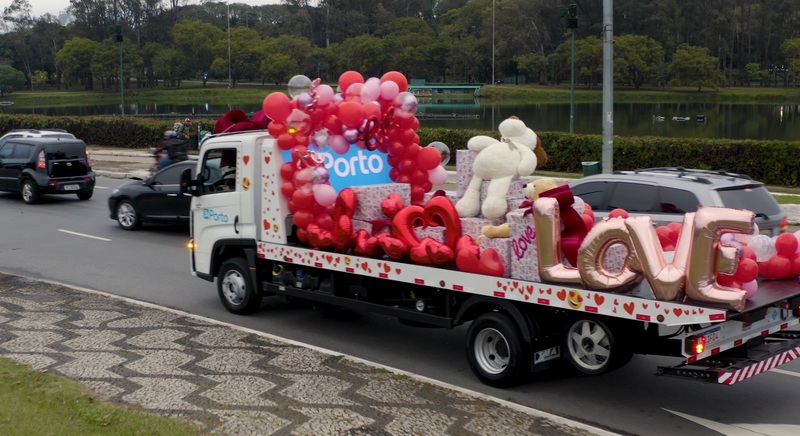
point(531, 191)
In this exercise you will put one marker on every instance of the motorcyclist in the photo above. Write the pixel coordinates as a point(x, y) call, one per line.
point(174, 147)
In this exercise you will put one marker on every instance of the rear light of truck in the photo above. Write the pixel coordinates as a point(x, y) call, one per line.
point(785, 224)
point(40, 162)
point(88, 159)
point(190, 244)
point(697, 345)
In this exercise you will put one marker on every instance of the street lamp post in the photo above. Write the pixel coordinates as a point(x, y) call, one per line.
point(230, 79)
point(572, 23)
point(493, 42)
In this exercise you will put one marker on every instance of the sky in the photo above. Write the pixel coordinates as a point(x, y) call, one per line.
point(41, 7)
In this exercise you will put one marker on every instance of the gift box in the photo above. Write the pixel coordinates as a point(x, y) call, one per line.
point(503, 247)
point(473, 226)
point(464, 159)
point(524, 258)
point(449, 194)
point(370, 197)
point(514, 190)
point(373, 227)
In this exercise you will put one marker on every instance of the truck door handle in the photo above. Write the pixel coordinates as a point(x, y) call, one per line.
point(236, 224)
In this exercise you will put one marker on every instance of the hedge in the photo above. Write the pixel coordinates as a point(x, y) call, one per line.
point(772, 162)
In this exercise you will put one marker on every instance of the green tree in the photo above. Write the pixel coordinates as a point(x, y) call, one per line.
point(75, 58)
point(636, 58)
point(196, 40)
point(245, 55)
point(791, 50)
point(694, 66)
point(363, 53)
point(39, 79)
point(278, 68)
point(11, 79)
point(170, 65)
point(753, 72)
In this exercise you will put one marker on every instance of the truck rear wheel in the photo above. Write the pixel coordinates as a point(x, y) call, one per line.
point(593, 347)
point(496, 352)
point(236, 290)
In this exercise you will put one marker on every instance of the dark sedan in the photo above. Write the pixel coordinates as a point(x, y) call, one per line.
point(156, 199)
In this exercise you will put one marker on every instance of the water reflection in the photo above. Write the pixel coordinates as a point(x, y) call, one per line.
point(740, 121)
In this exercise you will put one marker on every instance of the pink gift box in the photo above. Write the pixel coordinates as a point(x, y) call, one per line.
point(524, 258)
point(473, 226)
point(370, 197)
point(503, 247)
point(373, 228)
point(449, 194)
point(437, 233)
point(464, 159)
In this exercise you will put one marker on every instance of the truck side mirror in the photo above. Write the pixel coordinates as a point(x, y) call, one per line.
point(188, 183)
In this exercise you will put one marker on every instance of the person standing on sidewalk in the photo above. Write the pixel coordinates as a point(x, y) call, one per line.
point(190, 130)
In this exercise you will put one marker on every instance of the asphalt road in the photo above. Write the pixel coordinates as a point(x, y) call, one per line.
point(75, 242)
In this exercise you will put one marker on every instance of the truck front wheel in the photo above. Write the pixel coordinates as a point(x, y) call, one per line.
point(236, 290)
point(593, 347)
point(496, 351)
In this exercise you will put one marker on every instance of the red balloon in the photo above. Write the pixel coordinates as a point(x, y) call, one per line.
point(291, 206)
point(396, 148)
point(665, 236)
point(779, 266)
point(302, 218)
point(618, 213)
point(277, 106)
point(429, 158)
point(747, 270)
point(348, 78)
point(786, 244)
point(676, 227)
point(372, 110)
point(394, 173)
point(286, 141)
point(324, 221)
point(748, 253)
point(287, 171)
point(725, 280)
point(417, 194)
point(304, 198)
point(351, 114)
point(301, 139)
point(276, 128)
point(302, 235)
point(392, 204)
point(287, 189)
point(396, 77)
point(764, 270)
point(332, 123)
point(419, 176)
point(795, 264)
point(412, 151)
point(588, 220)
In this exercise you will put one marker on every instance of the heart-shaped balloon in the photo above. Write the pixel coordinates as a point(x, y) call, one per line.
point(439, 211)
point(466, 243)
point(345, 203)
point(439, 254)
point(392, 204)
point(393, 247)
point(491, 264)
point(343, 233)
point(467, 261)
point(320, 238)
point(366, 245)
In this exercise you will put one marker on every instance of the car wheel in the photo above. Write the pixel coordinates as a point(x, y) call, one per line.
point(30, 192)
point(127, 217)
point(85, 195)
point(593, 347)
point(496, 352)
point(236, 290)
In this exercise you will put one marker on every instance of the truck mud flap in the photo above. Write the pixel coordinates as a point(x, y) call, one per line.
point(777, 349)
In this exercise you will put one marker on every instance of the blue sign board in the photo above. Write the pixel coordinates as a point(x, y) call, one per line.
point(357, 167)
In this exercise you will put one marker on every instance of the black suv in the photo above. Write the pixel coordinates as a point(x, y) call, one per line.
point(45, 165)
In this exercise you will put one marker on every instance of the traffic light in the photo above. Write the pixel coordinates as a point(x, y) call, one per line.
point(572, 16)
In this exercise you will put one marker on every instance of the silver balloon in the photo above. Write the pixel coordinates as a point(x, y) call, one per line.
point(298, 85)
point(443, 150)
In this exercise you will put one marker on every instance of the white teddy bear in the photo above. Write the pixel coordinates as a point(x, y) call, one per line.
point(499, 162)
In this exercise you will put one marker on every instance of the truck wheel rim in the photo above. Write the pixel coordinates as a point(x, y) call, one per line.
point(491, 351)
point(234, 288)
point(589, 345)
point(126, 215)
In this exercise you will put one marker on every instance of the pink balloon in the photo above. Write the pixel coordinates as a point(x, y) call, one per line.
point(277, 106)
point(389, 90)
point(338, 144)
point(371, 90)
point(324, 194)
point(750, 289)
point(324, 95)
point(354, 92)
point(437, 176)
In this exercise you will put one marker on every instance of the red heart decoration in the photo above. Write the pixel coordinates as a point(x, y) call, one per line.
point(491, 264)
point(393, 247)
point(392, 204)
point(343, 233)
point(365, 245)
point(345, 203)
point(439, 211)
point(562, 295)
point(267, 159)
point(467, 243)
point(320, 238)
point(246, 159)
point(628, 308)
point(440, 254)
point(467, 261)
point(599, 299)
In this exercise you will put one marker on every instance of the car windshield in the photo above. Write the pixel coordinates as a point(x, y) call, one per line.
point(751, 197)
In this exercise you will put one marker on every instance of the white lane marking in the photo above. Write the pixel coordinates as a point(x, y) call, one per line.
point(101, 187)
point(741, 429)
point(785, 372)
point(85, 235)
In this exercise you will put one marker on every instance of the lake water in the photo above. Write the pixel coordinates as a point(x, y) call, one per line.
point(736, 121)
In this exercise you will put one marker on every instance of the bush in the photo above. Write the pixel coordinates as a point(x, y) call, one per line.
point(772, 162)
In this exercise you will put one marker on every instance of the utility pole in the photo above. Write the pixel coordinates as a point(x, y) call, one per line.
point(608, 86)
point(230, 77)
point(118, 36)
point(572, 23)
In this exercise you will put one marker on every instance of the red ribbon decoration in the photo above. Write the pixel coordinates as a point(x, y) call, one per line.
point(574, 230)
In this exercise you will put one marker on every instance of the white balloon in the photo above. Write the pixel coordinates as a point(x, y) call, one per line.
point(298, 85)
